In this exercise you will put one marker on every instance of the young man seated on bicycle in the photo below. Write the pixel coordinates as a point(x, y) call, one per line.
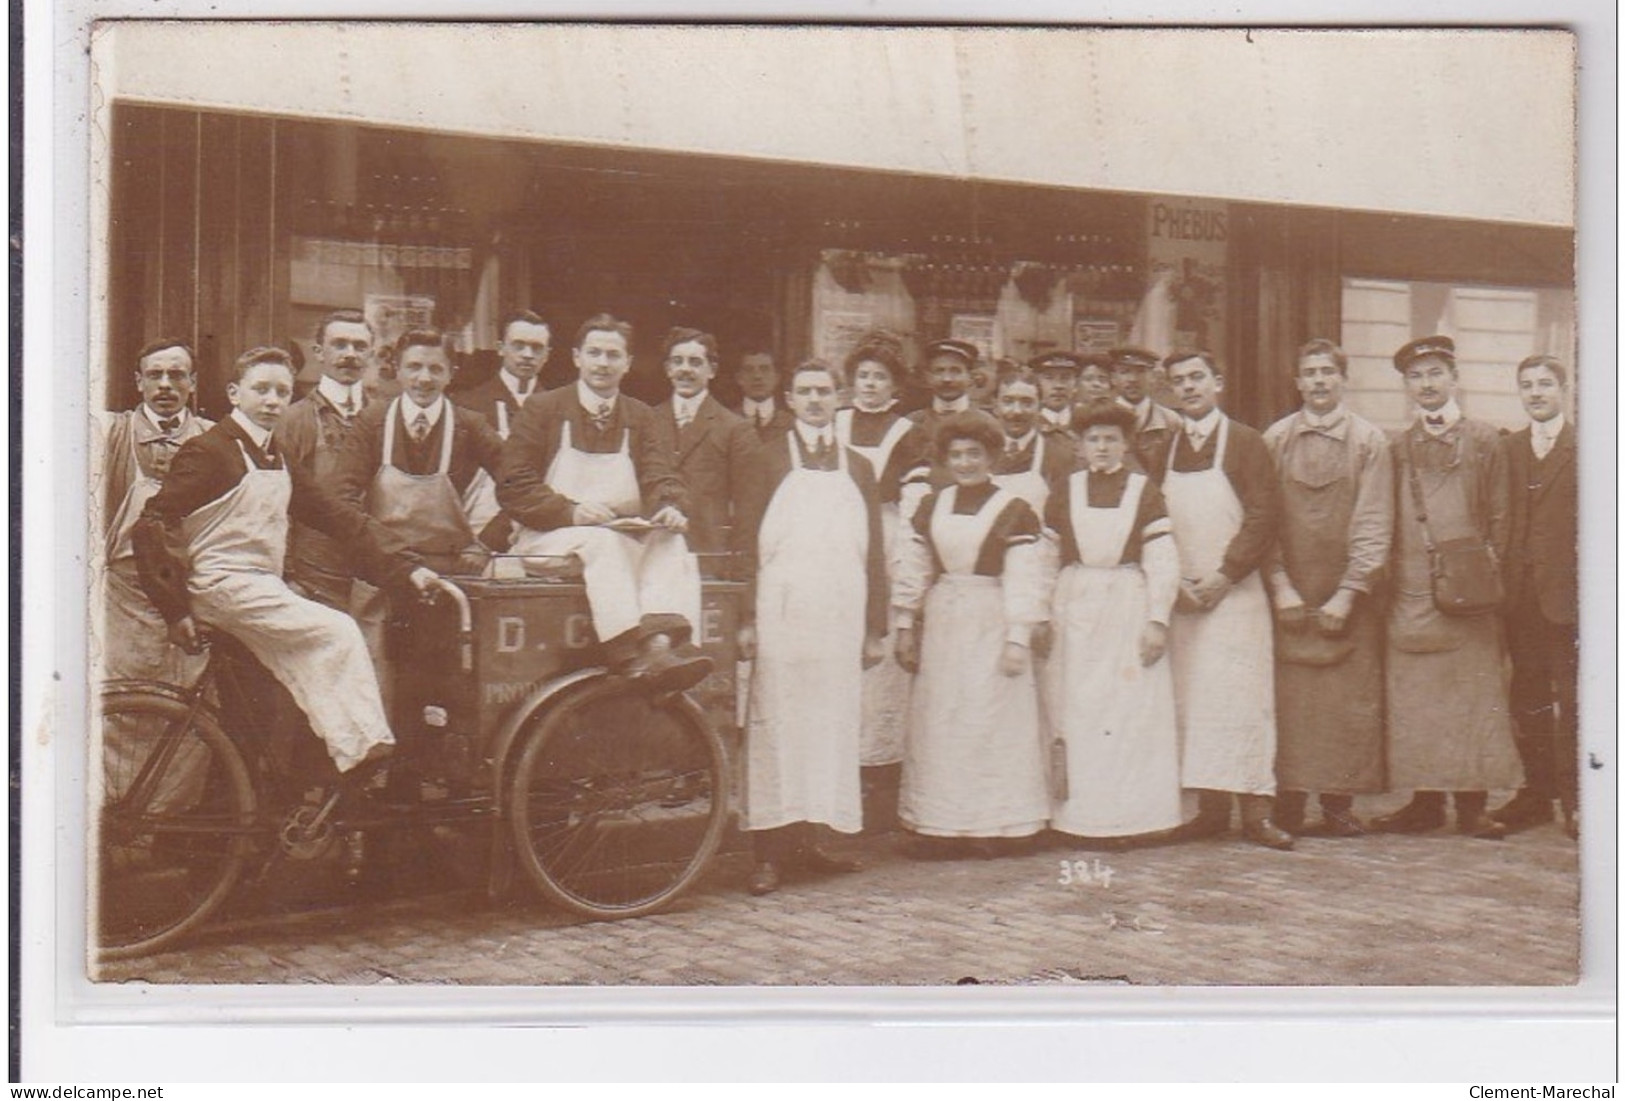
point(210, 546)
point(582, 467)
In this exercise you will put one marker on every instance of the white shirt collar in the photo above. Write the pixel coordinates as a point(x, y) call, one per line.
point(153, 418)
point(260, 436)
point(687, 408)
point(758, 408)
point(1548, 430)
point(1023, 442)
point(1450, 413)
point(1060, 418)
point(337, 393)
point(1202, 429)
point(1330, 420)
point(961, 404)
point(410, 410)
point(812, 437)
point(590, 401)
point(517, 387)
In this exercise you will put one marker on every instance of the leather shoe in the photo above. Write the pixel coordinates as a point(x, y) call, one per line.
point(764, 878)
point(1482, 826)
point(1266, 833)
point(1417, 816)
point(1523, 810)
point(1341, 823)
point(662, 669)
point(816, 860)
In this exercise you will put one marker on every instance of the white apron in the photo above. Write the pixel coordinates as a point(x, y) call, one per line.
point(975, 764)
point(480, 498)
point(1029, 485)
point(627, 577)
point(1223, 660)
point(1115, 716)
point(135, 638)
point(886, 686)
point(237, 545)
point(801, 738)
point(426, 513)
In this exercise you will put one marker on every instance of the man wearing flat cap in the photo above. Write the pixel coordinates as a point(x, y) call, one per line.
point(1449, 728)
point(947, 370)
point(1154, 425)
point(1058, 390)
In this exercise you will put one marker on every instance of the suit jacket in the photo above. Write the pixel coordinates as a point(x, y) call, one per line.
point(210, 466)
point(762, 481)
point(484, 399)
point(1543, 548)
point(711, 454)
point(1152, 439)
point(522, 490)
point(475, 446)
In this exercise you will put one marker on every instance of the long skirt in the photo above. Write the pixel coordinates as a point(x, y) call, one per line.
point(975, 765)
point(1115, 715)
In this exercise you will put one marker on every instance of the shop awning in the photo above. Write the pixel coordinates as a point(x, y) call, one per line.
point(1470, 124)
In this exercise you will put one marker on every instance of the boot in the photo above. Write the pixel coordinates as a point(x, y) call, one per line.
point(1289, 810)
point(1337, 817)
point(1471, 819)
point(1523, 810)
point(1424, 812)
point(1212, 817)
point(1257, 827)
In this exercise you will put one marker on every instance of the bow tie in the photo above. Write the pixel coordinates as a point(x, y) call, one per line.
point(168, 425)
point(1434, 420)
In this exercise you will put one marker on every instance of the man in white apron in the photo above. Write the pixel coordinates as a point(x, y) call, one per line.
point(818, 620)
point(526, 342)
point(1224, 503)
point(131, 452)
point(411, 465)
point(310, 435)
point(210, 546)
point(584, 473)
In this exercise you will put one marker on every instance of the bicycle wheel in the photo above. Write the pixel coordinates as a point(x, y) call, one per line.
point(177, 810)
point(617, 803)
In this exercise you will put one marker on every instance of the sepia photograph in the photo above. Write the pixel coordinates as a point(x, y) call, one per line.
point(911, 509)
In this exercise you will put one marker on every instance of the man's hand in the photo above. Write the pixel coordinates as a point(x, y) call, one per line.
point(1210, 590)
point(1153, 644)
point(670, 518)
point(874, 650)
point(423, 580)
point(1043, 641)
point(747, 643)
point(183, 633)
point(1012, 659)
point(590, 513)
point(1187, 601)
point(1333, 617)
point(907, 649)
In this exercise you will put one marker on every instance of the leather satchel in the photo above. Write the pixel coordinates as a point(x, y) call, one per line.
point(1466, 575)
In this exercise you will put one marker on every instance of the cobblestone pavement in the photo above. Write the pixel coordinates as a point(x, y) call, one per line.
point(1437, 909)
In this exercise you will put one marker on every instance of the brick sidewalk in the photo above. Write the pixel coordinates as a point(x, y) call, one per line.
point(1437, 909)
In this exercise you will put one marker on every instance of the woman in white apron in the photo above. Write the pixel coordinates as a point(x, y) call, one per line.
point(873, 428)
point(1223, 652)
point(1108, 686)
point(975, 763)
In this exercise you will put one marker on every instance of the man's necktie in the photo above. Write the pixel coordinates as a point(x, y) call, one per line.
point(685, 417)
point(1434, 420)
point(1012, 447)
point(347, 406)
point(600, 418)
point(168, 425)
point(420, 427)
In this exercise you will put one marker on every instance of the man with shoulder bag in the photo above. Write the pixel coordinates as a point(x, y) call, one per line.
point(1449, 728)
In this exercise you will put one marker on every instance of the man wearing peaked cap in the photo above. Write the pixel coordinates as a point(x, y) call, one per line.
point(947, 370)
point(1154, 425)
point(1058, 388)
point(1448, 724)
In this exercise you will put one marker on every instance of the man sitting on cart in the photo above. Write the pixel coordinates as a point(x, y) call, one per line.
point(210, 546)
point(584, 474)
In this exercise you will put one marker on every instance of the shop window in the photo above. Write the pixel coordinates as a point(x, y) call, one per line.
point(1493, 327)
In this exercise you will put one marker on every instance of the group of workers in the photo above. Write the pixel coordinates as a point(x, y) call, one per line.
point(1059, 603)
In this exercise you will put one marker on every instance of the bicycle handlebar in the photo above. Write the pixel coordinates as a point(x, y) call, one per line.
point(465, 619)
